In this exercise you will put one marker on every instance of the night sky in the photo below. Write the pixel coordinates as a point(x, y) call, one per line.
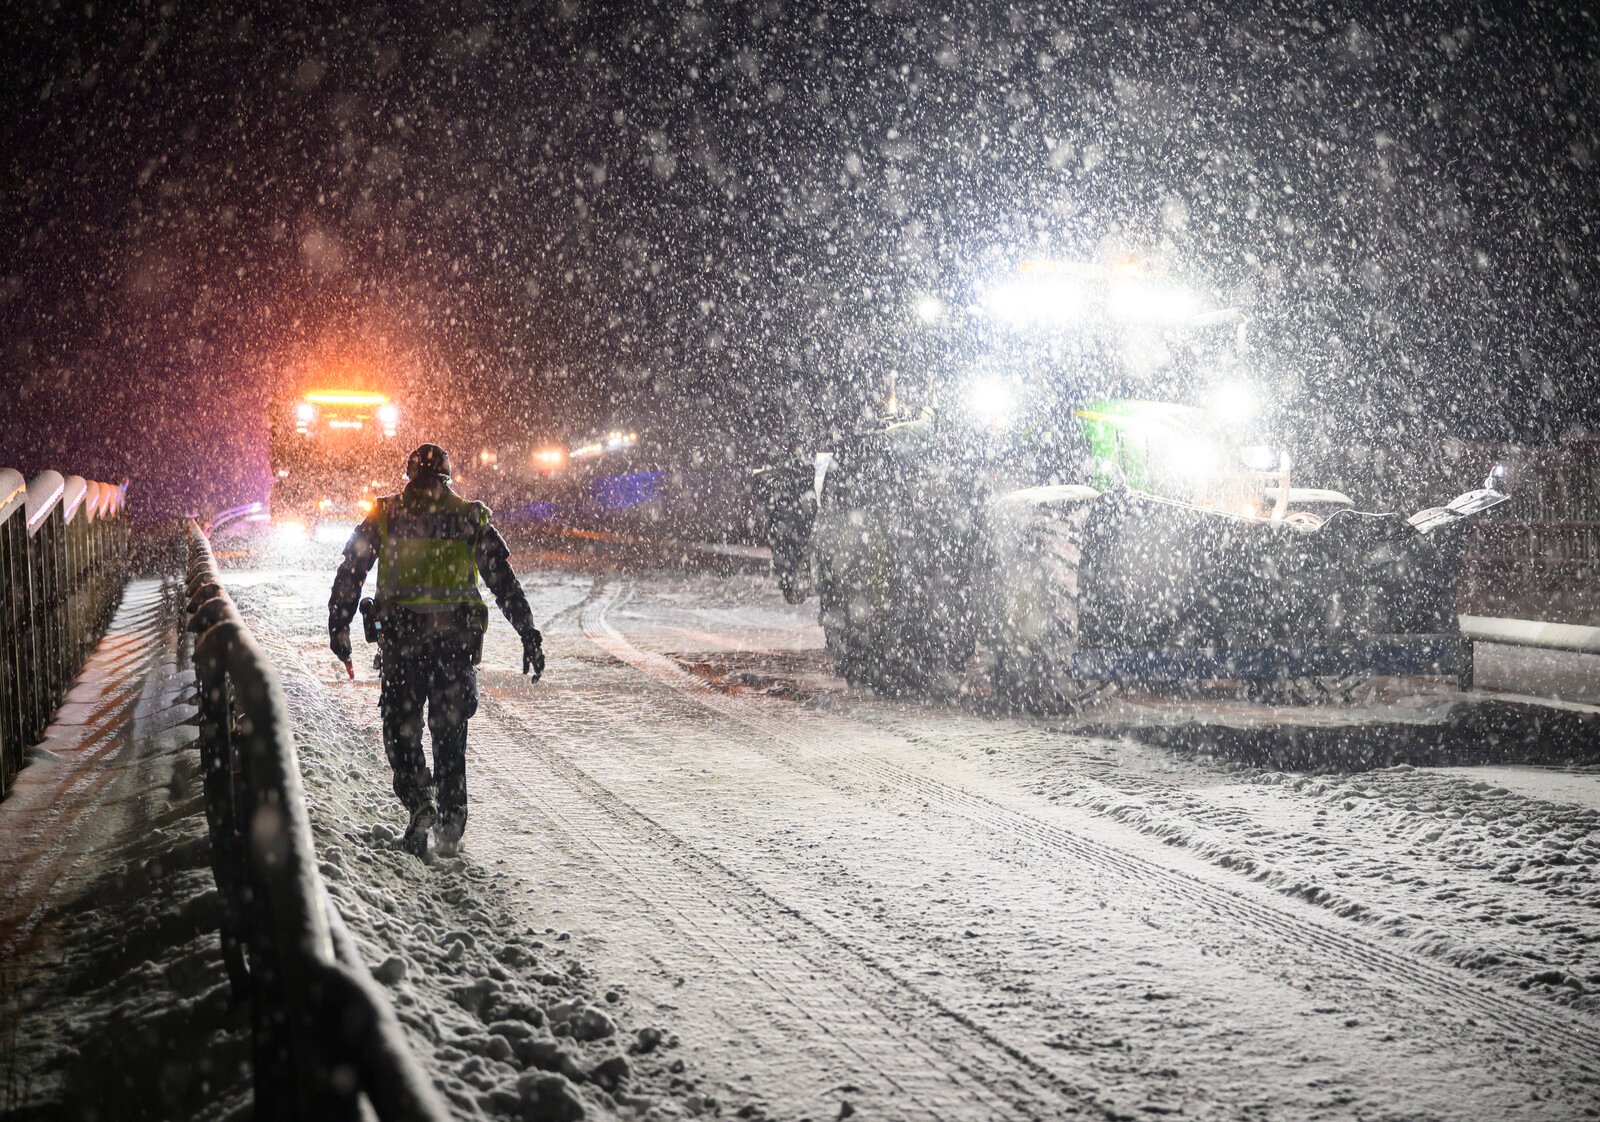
point(714, 218)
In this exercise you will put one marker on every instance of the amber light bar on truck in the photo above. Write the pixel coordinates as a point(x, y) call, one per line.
point(346, 397)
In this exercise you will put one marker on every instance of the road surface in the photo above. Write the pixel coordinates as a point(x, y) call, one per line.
point(848, 905)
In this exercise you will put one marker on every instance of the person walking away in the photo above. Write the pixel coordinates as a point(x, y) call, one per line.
point(430, 546)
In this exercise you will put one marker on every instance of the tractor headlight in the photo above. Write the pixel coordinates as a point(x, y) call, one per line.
point(992, 400)
point(1259, 457)
point(1139, 301)
point(1233, 401)
point(1052, 299)
point(1192, 461)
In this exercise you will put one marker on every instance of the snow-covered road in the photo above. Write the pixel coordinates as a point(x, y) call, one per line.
point(923, 911)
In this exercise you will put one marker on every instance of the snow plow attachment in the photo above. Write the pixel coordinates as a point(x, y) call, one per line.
point(1125, 587)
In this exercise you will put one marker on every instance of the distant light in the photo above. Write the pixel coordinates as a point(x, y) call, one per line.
point(549, 457)
point(991, 400)
point(1233, 401)
point(389, 414)
point(929, 309)
point(283, 473)
point(336, 424)
point(332, 533)
point(290, 531)
point(305, 412)
point(346, 397)
point(365, 505)
point(488, 456)
point(325, 504)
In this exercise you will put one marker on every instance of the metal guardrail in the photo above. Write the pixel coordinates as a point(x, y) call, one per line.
point(324, 1034)
point(63, 562)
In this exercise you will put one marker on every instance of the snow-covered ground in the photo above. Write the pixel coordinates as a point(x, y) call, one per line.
point(841, 904)
point(510, 1020)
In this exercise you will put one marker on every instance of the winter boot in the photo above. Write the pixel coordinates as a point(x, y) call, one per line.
point(447, 834)
point(416, 840)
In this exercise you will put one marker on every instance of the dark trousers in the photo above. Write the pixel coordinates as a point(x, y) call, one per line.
point(433, 670)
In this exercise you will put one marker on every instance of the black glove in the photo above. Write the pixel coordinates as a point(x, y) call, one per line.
point(533, 654)
point(339, 644)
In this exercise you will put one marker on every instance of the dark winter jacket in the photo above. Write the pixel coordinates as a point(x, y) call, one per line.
point(492, 557)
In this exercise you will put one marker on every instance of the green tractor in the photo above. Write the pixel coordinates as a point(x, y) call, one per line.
point(1087, 539)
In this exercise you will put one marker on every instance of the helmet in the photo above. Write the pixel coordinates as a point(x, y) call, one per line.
point(429, 460)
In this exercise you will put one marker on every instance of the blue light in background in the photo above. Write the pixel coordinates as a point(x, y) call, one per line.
point(619, 492)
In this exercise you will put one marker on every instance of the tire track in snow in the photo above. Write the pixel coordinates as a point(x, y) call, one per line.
point(937, 1055)
point(1438, 987)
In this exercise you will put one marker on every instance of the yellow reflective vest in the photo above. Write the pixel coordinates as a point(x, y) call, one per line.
point(427, 551)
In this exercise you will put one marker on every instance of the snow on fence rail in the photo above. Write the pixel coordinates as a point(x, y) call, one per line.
point(63, 562)
point(1532, 633)
point(324, 1033)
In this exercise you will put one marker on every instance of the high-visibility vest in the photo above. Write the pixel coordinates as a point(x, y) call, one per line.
point(426, 559)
